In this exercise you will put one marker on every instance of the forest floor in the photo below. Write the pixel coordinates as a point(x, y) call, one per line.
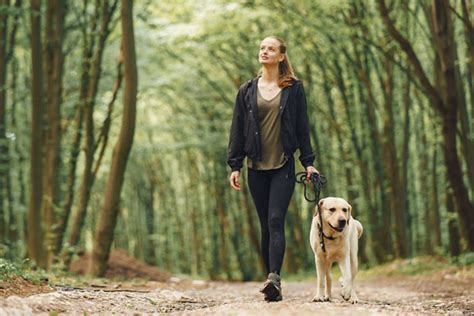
point(441, 291)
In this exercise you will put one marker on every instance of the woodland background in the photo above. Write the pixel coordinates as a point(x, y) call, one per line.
point(390, 99)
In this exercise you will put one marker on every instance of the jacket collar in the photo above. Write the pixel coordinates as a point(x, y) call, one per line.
point(253, 97)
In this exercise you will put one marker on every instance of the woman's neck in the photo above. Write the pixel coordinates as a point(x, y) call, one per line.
point(270, 73)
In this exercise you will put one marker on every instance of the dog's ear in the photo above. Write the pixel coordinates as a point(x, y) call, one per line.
point(318, 207)
point(350, 213)
point(320, 204)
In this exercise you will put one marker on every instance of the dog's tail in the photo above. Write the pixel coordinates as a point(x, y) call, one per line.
point(359, 228)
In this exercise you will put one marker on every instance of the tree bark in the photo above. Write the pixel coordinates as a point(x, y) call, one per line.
point(407, 102)
point(435, 217)
point(453, 230)
point(469, 36)
point(4, 160)
point(54, 61)
point(35, 220)
point(108, 215)
point(14, 237)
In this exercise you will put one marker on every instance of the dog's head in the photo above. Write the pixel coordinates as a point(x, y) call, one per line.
point(336, 213)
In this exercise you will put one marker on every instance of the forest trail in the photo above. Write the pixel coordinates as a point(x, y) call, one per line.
point(395, 295)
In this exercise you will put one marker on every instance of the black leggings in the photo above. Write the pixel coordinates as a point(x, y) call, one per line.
point(271, 192)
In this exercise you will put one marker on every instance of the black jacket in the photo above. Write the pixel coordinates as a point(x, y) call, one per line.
point(244, 139)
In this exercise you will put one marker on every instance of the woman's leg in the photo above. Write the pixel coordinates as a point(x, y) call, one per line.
point(282, 186)
point(259, 186)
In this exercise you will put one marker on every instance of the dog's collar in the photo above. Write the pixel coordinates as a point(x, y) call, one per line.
point(324, 235)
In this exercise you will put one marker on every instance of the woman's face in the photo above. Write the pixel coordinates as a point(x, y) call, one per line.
point(270, 52)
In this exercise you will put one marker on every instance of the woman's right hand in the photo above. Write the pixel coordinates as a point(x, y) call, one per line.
point(234, 180)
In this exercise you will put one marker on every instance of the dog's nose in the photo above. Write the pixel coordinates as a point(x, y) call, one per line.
point(342, 223)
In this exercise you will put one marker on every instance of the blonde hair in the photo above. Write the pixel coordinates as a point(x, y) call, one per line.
point(285, 71)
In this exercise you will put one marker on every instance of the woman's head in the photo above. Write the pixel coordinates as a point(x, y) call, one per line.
point(272, 52)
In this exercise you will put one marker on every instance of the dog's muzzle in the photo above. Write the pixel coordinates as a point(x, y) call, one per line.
point(342, 223)
point(338, 229)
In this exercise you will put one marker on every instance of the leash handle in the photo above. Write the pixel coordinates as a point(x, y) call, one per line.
point(318, 181)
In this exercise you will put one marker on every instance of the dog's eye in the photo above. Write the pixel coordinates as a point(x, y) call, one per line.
point(344, 210)
point(332, 209)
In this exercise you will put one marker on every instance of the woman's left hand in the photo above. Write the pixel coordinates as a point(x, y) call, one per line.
point(310, 170)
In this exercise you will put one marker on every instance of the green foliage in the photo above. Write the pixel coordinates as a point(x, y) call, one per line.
point(466, 259)
point(425, 265)
point(8, 269)
point(24, 269)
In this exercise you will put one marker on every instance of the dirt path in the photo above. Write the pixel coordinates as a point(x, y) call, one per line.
point(382, 296)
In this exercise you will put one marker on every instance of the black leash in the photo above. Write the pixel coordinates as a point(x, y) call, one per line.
point(318, 181)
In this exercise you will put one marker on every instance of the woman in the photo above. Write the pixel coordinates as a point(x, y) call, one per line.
point(269, 123)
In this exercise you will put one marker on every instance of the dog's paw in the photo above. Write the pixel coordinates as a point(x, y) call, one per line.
point(353, 299)
point(320, 298)
point(346, 294)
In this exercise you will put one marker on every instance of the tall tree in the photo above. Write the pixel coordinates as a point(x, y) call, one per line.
point(35, 220)
point(109, 212)
point(445, 101)
point(3, 139)
point(54, 60)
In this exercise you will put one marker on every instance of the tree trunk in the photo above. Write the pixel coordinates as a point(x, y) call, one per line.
point(424, 186)
point(84, 191)
point(446, 103)
point(453, 230)
point(108, 215)
point(14, 237)
point(54, 60)
point(407, 102)
point(469, 36)
point(89, 87)
point(391, 163)
point(35, 220)
point(150, 256)
point(7, 55)
point(446, 47)
point(4, 160)
point(435, 217)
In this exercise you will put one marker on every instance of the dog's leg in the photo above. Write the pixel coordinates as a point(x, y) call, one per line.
point(327, 295)
point(321, 275)
point(345, 267)
point(354, 266)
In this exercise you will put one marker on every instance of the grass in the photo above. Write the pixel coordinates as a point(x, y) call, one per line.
point(22, 269)
point(417, 266)
point(423, 265)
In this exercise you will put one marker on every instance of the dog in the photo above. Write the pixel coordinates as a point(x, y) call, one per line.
point(340, 234)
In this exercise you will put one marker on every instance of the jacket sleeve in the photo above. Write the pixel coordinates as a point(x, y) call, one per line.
point(302, 129)
point(235, 150)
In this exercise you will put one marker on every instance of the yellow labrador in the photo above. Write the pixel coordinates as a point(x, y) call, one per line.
point(340, 234)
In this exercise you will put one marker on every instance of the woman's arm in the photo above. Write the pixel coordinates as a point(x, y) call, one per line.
point(235, 150)
point(302, 129)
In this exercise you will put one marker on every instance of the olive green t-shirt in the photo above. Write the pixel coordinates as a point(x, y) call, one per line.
point(273, 156)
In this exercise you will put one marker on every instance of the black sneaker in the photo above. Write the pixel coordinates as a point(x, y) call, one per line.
point(275, 299)
point(272, 288)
